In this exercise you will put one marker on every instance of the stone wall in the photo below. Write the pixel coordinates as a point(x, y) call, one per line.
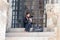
point(3, 18)
point(9, 18)
point(53, 18)
point(58, 21)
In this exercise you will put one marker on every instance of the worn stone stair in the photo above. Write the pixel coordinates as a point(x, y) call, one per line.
point(27, 38)
point(29, 34)
point(20, 34)
point(16, 30)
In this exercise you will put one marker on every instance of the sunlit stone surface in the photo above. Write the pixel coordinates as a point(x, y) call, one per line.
point(3, 18)
point(53, 18)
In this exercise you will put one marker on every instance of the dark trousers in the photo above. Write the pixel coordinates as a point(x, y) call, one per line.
point(27, 27)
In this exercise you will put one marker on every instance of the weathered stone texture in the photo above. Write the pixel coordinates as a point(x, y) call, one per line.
point(53, 18)
point(3, 18)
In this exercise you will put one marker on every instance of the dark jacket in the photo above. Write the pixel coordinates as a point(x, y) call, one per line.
point(25, 21)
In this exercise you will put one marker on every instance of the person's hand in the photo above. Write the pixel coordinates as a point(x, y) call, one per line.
point(30, 19)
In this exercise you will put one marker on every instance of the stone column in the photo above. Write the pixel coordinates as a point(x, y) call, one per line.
point(9, 18)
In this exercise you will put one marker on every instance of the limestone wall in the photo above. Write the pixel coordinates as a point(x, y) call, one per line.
point(9, 18)
point(53, 18)
point(3, 18)
point(58, 22)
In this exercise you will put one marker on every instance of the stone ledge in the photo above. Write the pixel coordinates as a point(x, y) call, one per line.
point(26, 38)
point(30, 34)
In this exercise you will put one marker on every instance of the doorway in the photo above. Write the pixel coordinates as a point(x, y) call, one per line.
point(35, 7)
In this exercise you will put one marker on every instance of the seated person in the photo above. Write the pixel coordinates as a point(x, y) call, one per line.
point(27, 22)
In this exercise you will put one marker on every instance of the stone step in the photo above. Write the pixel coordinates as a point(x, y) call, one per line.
point(26, 38)
point(16, 30)
point(13, 30)
point(30, 34)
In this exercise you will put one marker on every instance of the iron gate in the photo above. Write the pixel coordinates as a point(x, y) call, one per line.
point(36, 7)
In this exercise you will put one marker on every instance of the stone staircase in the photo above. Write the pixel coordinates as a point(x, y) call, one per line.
point(16, 30)
point(20, 34)
point(27, 38)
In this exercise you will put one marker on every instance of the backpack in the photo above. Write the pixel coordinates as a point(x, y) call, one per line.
point(37, 28)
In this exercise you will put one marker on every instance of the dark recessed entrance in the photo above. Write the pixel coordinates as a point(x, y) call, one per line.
point(36, 7)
